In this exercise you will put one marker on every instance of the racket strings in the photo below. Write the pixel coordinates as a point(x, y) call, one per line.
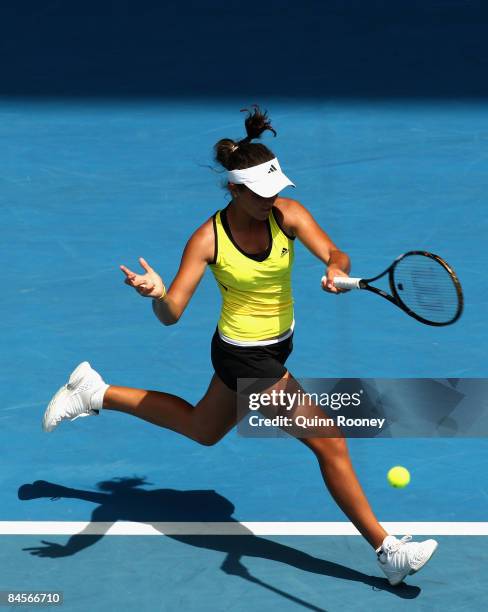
point(427, 288)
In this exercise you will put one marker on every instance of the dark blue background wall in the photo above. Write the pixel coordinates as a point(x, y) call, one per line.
point(198, 48)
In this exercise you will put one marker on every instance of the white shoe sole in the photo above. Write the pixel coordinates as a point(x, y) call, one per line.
point(47, 421)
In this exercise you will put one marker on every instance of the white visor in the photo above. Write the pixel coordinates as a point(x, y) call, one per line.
point(265, 179)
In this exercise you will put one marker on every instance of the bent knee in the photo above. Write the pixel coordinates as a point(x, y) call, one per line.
point(207, 438)
point(329, 447)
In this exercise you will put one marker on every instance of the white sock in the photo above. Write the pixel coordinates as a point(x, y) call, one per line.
point(96, 400)
point(378, 550)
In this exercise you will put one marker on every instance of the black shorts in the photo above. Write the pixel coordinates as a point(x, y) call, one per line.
point(232, 362)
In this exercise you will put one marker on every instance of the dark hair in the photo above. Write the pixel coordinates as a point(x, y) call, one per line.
point(237, 155)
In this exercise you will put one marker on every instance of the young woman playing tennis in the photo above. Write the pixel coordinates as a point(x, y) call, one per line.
point(249, 248)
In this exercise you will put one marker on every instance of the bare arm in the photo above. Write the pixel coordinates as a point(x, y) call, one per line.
point(197, 254)
point(169, 305)
point(298, 220)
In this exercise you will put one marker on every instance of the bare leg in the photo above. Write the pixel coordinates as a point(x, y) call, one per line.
point(207, 422)
point(338, 472)
point(215, 414)
point(343, 484)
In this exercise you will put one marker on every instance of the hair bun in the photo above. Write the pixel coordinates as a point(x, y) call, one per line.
point(245, 154)
point(224, 149)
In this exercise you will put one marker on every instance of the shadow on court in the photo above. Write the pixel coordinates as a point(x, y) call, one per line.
point(123, 499)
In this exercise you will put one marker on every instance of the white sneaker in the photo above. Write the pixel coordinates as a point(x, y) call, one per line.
point(398, 558)
point(81, 396)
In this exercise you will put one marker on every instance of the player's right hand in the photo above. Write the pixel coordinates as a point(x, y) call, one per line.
point(149, 284)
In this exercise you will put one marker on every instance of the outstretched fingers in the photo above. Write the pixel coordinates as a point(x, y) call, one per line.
point(128, 273)
point(147, 284)
point(145, 265)
point(132, 279)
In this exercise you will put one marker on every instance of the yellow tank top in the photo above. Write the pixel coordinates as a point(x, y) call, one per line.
point(257, 302)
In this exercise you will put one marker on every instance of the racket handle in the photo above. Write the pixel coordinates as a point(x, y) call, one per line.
point(343, 282)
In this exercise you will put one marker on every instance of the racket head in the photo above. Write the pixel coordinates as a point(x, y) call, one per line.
point(427, 288)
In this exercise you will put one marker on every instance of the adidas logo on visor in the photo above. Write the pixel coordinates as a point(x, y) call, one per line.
point(272, 168)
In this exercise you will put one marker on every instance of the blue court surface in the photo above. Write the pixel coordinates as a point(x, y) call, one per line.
point(118, 514)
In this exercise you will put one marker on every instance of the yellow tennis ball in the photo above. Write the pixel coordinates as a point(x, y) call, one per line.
point(398, 477)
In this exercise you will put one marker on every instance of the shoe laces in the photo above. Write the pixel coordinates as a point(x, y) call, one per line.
point(84, 387)
point(397, 544)
point(78, 387)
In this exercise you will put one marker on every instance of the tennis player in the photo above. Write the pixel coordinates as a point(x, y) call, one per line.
point(249, 248)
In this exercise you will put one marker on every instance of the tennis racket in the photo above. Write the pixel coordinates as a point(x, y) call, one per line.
point(422, 284)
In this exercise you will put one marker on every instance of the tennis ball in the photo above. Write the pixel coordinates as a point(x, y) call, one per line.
point(398, 477)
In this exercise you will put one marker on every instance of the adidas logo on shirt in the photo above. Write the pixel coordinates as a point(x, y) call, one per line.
point(284, 251)
point(272, 168)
